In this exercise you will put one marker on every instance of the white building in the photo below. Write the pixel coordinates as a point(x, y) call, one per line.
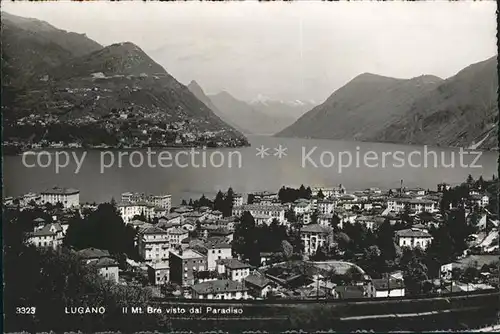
point(160, 201)
point(314, 236)
point(301, 206)
point(220, 289)
point(129, 210)
point(383, 288)
point(237, 200)
point(108, 268)
point(325, 206)
point(154, 245)
point(158, 273)
point(415, 205)
point(481, 200)
point(68, 197)
point(234, 269)
point(176, 235)
point(274, 211)
point(413, 238)
point(50, 235)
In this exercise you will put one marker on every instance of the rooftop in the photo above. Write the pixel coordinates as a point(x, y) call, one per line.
point(154, 230)
point(218, 286)
point(258, 280)
point(234, 264)
point(60, 191)
point(188, 254)
point(383, 284)
point(92, 253)
point(314, 228)
point(413, 233)
point(104, 262)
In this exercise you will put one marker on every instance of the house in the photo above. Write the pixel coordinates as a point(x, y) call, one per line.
point(129, 210)
point(258, 285)
point(262, 219)
point(176, 235)
point(480, 200)
point(158, 273)
point(154, 244)
point(413, 237)
point(366, 221)
point(217, 249)
point(219, 289)
point(274, 211)
point(68, 197)
point(237, 200)
point(90, 254)
point(234, 269)
point(50, 235)
point(223, 233)
point(325, 206)
point(476, 261)
point(325, 219)
point(160, 201)
point(384, 287)
point(314, 236)
point(183, 264)
point(107, 267)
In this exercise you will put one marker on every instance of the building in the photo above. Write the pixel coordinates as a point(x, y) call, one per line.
point(301, 206)
point(383, 288)
point(154, 244)
point(220, 289)
point(130, 210)
point(274, 211)
point(325, 206)
point(412, 238)
point(415, 205)
point(217, 249)
point(107, 267)
point(159, 201)
point(50, 235)
point(237, 200)
point(258, 285)
point(481, 200)
point(158, 273)
point(183, 264)
point(475, 261)
point(90, 254)
point(325, 219)
point(234, 269)
point(314, 236)
point(176, 235)
point(68, 197)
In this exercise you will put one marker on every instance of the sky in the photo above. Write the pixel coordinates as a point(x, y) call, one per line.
point(295, 50)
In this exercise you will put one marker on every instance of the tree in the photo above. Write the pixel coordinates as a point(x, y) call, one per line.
point(287, 249)
point(320, 194)
point(470, 180)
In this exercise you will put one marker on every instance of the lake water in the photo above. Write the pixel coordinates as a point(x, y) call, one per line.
point(307, 162)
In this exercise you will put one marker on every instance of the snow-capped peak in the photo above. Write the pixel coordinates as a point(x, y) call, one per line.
point(262, 99)
point(265, 100)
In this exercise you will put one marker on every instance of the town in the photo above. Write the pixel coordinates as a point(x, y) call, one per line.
point(306, 243)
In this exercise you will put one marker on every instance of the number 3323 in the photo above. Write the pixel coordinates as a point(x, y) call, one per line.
point(25, 310)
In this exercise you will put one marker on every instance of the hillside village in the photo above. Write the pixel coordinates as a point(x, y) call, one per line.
point(319, 243)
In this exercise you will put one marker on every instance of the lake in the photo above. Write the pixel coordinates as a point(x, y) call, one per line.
point(106, 174)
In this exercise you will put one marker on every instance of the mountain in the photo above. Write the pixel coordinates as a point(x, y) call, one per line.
point(290, 111)
point(460, 111)
point(114, 95)
point(253, 118)
point(30, 46)
point(360, 109)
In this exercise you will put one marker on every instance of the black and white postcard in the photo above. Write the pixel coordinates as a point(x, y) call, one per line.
point(250, 166)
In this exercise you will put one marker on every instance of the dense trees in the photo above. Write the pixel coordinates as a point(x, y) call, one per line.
point(104, 229)
point(52, 280)
point(289, 195)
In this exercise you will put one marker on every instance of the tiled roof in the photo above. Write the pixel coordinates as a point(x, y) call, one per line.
point(60, 191)
point(314, 228)
point(235, 264)
point(105, 262)
point(46, 230)
point(154, 230)
point(257, 280)
point(413, 233)
point(92, 253)
point(218, 286)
